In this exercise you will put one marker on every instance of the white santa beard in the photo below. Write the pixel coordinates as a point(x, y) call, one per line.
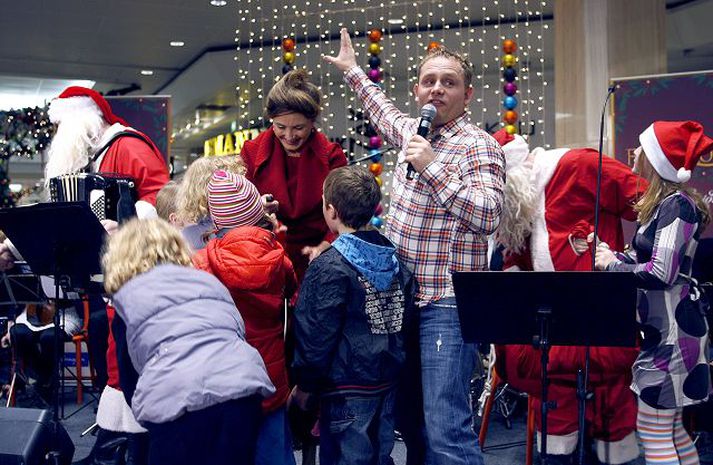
point(72, 146)
point(519, 205)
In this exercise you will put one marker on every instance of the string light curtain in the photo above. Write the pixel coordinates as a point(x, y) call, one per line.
point(408, 27)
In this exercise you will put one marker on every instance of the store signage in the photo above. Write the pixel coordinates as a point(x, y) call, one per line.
point(228, 144)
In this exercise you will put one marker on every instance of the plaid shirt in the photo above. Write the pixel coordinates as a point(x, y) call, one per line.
point(440, 220)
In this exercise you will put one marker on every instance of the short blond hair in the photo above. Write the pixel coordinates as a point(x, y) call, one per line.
point(166, 200)
point(192, 196)
point(442, 51)
point(137, 247)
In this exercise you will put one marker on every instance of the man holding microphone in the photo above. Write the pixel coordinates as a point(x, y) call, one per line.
point(439, 222)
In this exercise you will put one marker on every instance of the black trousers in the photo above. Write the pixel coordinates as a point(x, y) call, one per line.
point(36, 349)
point(224, 434)
point(98, 339)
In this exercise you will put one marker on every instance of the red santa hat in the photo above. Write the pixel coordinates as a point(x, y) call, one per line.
point(233, 201)
point(514, 146)
point(674, 147)
point(76, 98)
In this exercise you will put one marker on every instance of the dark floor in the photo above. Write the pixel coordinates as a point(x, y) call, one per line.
point(504, 444)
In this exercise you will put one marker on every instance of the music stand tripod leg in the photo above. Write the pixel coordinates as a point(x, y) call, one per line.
point(541, 341)
point(582, 396)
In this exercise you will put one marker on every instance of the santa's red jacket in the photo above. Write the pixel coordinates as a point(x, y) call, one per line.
point(566, 188)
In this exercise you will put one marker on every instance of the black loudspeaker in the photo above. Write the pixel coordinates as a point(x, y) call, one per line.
point(26, 438)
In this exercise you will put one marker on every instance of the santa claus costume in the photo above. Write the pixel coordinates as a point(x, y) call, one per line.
point(90, 137)
point(562, 183)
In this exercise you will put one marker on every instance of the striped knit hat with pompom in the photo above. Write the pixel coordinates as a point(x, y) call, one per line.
point(233, 201)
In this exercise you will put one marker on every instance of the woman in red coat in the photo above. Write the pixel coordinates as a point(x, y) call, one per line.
point(289, 162)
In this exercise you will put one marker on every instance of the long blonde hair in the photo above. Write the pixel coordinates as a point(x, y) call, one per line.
point(192, 201)
point(659, 189)
point(137, 247)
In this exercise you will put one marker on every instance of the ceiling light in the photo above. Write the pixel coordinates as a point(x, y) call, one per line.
point(218, 2)
point(395, 21)
point(147, 72)
point(177, 43)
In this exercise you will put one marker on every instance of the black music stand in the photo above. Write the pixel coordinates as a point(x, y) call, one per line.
point(568, 308)
point(18, 289)
point(63, 240)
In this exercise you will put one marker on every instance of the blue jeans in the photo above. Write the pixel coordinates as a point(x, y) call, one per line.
point(274, 440)
point(357, 430)
point(447, 364)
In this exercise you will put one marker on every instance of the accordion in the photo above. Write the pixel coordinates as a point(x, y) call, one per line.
point(109, 195)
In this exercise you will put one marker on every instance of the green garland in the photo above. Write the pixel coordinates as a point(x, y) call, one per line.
point(6, 197)
point(24, 132)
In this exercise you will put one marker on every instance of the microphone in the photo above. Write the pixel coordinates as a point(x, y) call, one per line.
point(610, 91)
point(428, 112)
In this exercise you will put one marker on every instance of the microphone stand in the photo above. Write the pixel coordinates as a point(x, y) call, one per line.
point(583, 377)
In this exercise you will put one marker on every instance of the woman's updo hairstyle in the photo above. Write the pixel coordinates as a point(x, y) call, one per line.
point(293, 93)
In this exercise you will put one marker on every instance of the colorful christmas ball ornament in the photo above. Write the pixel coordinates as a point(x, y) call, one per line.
point(510, 88)
point(509, 74)
point(375, 142)
point(288, 44)
point(433, 45)
point(509, 46)
point(375, 155)
point(374, 48)
point(510, 102)
point(378, 180)
point(377, 222)
point(510, 117)
point(288, 55)
point(374, 62)
point(376, 168)
point(374, 75)
point(379, 210)
point(375, 35)
point(509, 60)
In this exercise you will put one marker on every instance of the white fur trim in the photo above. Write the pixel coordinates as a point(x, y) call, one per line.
point(543, 168)
point(558, 445)
point(656, 156)
point(516, 151)
point(63, 108)
point(617, 452)
point(144, 210)
point(114, 414)
point(683, 175)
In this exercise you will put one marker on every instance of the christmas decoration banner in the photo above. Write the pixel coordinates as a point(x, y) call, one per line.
point(640, 101)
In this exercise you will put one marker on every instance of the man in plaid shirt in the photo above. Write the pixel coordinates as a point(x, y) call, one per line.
point(439, 223)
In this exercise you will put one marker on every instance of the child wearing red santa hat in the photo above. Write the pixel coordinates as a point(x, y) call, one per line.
point(672, 370)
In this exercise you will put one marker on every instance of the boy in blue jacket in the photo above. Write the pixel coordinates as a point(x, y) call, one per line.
point(354, 311)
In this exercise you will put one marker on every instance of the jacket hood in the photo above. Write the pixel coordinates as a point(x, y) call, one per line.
point(372, 255)
point(246, 258)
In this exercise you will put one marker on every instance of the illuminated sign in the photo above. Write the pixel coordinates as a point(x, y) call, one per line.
point(228, 144)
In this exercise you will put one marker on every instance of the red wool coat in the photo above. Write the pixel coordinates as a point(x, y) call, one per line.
point(251, 263)
point(301, 211)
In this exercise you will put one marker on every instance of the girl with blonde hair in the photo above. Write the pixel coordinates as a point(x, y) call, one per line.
point(192, 196)
point(197, 385)
point(672, 370)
